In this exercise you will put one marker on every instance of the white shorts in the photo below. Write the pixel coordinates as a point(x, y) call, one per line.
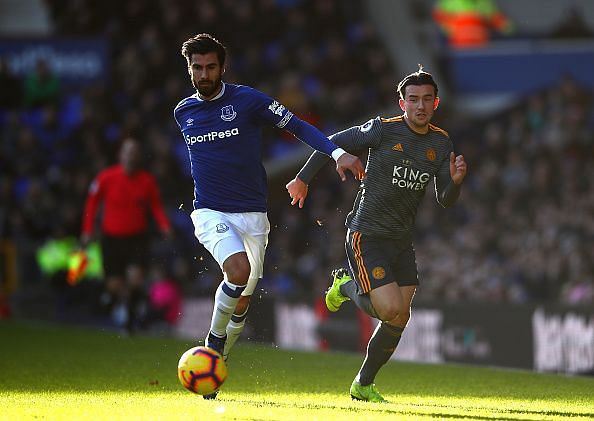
point(224, 234)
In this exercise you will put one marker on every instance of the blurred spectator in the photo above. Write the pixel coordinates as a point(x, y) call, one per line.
point(578, 292)
point(128, 193)
point(5, 311)
point(165, 297)
point(572, 25)
point(42, 86)
point(468, 23)
point(11, 92)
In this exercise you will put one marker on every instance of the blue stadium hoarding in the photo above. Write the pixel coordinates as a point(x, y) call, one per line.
point(520, 67)
point(77, 62)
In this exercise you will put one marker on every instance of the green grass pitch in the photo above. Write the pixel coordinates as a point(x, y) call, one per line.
point(52, 372)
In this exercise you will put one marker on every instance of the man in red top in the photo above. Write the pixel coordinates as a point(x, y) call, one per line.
point(127, 193)
point(468, 23)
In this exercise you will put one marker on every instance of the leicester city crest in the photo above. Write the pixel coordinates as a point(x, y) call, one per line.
point(228, 113)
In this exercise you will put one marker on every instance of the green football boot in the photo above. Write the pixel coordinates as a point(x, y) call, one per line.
point(334, 297)
point(367, 393)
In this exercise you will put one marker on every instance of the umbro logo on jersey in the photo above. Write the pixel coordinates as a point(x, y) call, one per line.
point(189, 122)
point(398, 147)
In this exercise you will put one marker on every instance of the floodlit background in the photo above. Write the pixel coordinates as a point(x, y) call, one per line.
point(506, 276)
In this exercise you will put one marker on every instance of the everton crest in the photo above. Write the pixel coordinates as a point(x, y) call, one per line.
point(221, 228)
point(228, 113)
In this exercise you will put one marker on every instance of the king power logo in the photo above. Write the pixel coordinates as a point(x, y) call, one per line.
point(409, 178)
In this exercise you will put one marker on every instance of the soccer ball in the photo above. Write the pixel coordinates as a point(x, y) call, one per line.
point(201, 370)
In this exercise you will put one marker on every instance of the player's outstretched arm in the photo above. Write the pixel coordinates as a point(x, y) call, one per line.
point(314, 138)
point(353, 138)
point(298, 186)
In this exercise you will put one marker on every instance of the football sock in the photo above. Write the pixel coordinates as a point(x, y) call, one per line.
point(234, 329)
point(349, 289)
point(380, 348)
point(226, 299)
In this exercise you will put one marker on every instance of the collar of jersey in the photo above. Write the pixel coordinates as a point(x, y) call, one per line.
point(220, 94)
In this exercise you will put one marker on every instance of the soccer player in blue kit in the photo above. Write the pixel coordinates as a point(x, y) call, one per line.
point(221, 125)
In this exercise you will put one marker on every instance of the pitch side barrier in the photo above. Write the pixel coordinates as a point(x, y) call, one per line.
point(542, 338)
point(545, 338)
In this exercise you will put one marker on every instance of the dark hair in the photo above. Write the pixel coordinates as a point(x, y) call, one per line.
point(204, 44)
point(420, 77)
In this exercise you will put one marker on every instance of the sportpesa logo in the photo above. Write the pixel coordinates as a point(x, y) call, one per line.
point(209, 137)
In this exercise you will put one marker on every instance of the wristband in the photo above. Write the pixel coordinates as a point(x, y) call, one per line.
point(337, 153)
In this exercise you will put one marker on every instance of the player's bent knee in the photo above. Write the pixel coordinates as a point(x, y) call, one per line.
point(387, 312)
point(237, 268)
point(387, 301)
point(401, 320)
point(393, 313)
point(238, 277)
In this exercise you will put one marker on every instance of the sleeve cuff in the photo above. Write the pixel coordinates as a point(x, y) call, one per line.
point(337, 153)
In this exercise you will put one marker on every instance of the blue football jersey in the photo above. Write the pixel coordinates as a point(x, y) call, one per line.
point(224, 141)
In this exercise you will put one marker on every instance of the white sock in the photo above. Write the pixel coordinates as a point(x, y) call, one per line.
point(226, 299)
point(234, 329)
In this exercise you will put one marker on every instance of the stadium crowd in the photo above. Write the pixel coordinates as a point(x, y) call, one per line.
point(521, 232)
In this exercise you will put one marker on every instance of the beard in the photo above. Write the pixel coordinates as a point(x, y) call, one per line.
point(207, 88)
